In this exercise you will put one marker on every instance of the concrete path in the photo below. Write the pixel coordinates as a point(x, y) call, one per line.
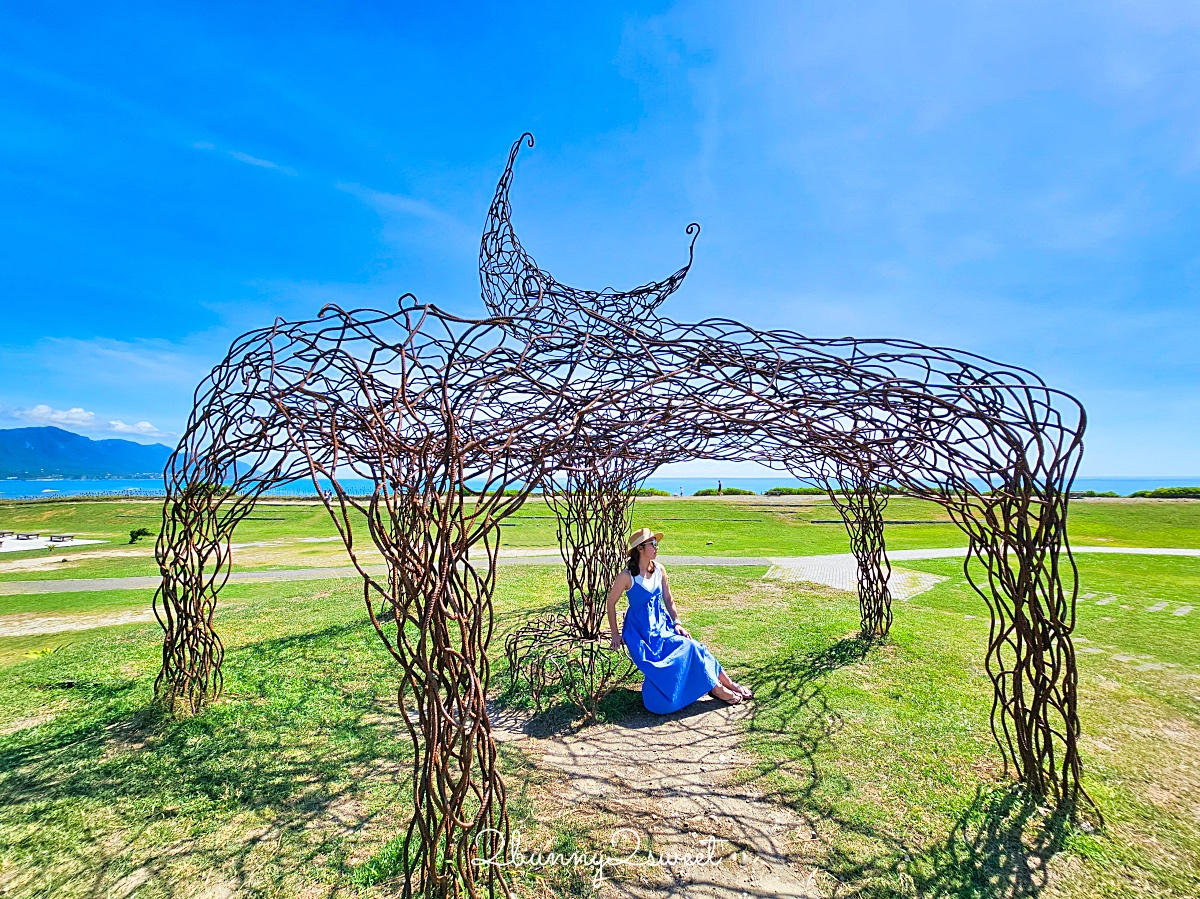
point(838, 571)
point(92, 585)
point(841, 571)
point(830, 570)
point(28, 624)
point(902, 554)
point(13, 545)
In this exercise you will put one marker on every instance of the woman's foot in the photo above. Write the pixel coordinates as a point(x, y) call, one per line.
point(746, 692)
point(733, 697)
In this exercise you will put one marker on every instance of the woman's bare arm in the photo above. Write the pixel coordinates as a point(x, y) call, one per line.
point(620, 584)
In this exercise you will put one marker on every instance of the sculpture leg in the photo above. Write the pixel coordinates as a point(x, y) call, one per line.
point(593, 511)
point(1020, 540)
point(571, 652)
point(193, 558)
point(439, 636)
point(862, 511)
point(192, 650)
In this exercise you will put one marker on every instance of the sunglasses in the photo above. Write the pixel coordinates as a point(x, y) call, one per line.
point(651, 542)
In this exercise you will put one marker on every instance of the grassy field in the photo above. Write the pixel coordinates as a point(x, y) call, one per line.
point(294, 783)
point(298, 534)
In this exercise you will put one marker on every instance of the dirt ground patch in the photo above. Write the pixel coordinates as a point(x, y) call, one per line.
point(56, 561)
point(665, 786)
point(32, 721)
point(32, 623)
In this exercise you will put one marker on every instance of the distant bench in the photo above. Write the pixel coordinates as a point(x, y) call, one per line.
point(61, 538)
point(28, 536)
point(4, 534)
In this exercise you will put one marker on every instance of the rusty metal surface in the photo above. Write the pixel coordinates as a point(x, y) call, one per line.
point(587, 392)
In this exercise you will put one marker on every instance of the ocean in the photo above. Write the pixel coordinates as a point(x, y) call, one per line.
point(46, 489)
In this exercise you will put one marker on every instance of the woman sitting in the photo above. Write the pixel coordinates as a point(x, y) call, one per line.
point(678, 670)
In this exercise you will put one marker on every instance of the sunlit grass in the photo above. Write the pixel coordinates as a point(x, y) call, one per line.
point(297, 778)
point(295, 534)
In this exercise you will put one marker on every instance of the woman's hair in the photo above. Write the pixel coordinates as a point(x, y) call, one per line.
point(634, 565)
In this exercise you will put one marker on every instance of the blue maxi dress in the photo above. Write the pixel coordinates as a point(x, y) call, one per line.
point(678, 669)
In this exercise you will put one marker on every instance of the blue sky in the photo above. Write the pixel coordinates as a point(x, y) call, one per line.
point(1021, 180)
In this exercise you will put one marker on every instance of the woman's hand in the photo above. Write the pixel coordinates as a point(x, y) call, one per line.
point(682, 631)
point(621, 583)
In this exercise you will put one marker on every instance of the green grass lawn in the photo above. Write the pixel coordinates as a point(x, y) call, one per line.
point(295, 782)
point(91, 602)
point(295, 534)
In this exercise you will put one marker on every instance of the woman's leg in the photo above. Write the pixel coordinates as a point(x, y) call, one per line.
point(733, 697)
point(731, 684)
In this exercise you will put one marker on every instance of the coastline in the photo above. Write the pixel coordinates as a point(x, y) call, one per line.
point(54, 488)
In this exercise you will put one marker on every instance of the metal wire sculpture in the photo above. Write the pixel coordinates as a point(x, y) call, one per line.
point(455, 421)
point(861, 505)
point(593, 504)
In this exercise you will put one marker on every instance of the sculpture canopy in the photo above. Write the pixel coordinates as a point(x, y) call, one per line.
point(587, 392)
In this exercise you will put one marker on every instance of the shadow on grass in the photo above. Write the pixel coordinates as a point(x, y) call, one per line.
point(264, 783)
point(512, 706)
point(999, 846)
point(790, 702)
point(269, 784)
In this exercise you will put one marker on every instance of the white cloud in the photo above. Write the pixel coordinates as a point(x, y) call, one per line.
point(118, 361)
point(247, 158)
point(77, 418)
point(44, 415)
point(142, 429)
point(398, 206)
point(262, 163)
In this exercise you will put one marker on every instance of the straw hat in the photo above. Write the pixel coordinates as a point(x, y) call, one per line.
point(641, 535)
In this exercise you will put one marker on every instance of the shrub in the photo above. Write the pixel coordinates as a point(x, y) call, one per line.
point(727, 491)
point(820, 491)
point(1076, 495)
point(509, 491)
point(1170, 493)
point(650, 491)
point(138, 533)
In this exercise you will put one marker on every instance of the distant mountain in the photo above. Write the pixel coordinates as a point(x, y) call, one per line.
point(53, 452)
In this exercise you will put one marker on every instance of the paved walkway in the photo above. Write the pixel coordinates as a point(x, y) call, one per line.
point(13, 545)
point(832, 570)
point(838, 571)
point(841, 571)
point(673, 785)
point(902, 554)
point(28, 624)
point(92, 585)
